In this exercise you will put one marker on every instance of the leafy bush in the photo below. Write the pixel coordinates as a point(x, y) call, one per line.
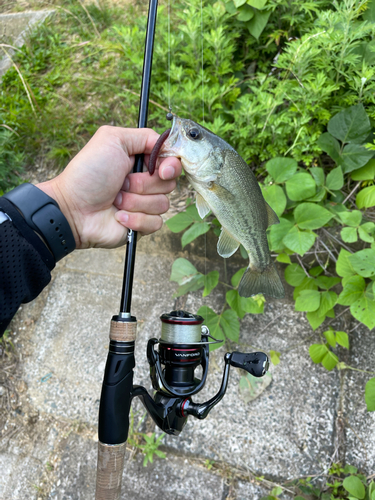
point(291, 88)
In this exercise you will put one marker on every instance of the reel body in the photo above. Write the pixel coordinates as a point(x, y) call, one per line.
point(173, 366)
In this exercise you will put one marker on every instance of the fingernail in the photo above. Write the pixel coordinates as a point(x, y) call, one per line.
point(168, 172)
point(118, 199)
point(123, 217)
point(127, 184)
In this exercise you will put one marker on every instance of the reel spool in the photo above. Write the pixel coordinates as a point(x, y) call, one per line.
point(183, 346)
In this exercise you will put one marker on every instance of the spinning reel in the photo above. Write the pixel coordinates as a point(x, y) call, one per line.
point(174, 360)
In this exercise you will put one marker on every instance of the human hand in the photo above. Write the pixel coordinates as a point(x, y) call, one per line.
point(99, 196)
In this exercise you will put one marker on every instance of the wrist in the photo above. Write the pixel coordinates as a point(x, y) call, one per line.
point(52, 189)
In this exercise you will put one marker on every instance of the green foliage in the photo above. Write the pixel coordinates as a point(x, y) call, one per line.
point(148, 444)
point(288, 83)
point(342, 482)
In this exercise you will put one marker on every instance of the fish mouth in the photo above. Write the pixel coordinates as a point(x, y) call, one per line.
point(170, 146)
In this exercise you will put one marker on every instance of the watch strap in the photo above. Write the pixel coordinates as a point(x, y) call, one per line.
point(43, 215)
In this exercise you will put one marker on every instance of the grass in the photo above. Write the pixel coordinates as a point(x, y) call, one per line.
point(67, 80)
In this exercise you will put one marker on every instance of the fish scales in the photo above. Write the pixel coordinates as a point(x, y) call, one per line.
point(228, 187)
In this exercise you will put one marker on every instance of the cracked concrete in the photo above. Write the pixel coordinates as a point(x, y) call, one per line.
point(286, 432)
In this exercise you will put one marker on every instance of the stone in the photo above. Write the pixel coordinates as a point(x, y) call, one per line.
point(173, 478)
point(360, 430)
point(15, 28)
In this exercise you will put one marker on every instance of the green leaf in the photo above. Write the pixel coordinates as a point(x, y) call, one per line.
point(351, 218)
point(235, 302)
point(258, 4)
point(311, 216)
point(182, 271)
point(331, 338)
point(363, 309)
point(281, 169)
point(318, 175)
point(277, 233)
point(179, 222)
point(231, 8)
point(210, 281)
point(354, 486)
point(316, 271)
point(317, 352)
point(330, 145)
point(330, 360)
point(294, 274)
point(284, 258)
point(300, 187)
point(245, 13)
point(350, 125)
point(369, 13)
point(236, 278)
point(342, 339)
point(354, 156)
point(370, 397)
point(307, 284)
point(299, 241)
point(335, 179)
point(258, 22)
point(212, 321)
point(275, 357)
point(195, 283)
point(319, 196)
point(364, 235)
point(326, 282)
point(231, 325)
point(344, 267)
point(353, 290)
point(365, 173)
point(366, 197)
point(314, 320)
point(238, 3)
point(193, 232)
point(327, 301)
point(349, 234)
point(308, 300)
point(363, 262)
point(253, 305)
point(275, 197)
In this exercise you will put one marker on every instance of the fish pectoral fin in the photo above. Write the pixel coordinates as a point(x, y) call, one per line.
point(227, 245)
point(272, 217)
point(202, 206)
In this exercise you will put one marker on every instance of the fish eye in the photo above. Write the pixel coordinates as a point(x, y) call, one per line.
point(194, 133)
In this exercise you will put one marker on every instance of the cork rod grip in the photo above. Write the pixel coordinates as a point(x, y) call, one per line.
point(109, 471)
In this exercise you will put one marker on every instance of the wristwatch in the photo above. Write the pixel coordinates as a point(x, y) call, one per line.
point(43, 215)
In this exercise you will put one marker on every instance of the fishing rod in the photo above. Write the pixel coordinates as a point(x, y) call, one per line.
point(183, 346)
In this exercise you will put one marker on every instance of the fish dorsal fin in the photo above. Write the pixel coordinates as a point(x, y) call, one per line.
point(227, 245)
point(272, 217)
point(202, 206)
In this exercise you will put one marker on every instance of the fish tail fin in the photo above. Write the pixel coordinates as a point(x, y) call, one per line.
point(267, 282)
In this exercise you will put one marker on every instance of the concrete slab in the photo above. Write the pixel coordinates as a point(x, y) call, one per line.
point(360, 430)
point(288, 430)
point(14, 29)
point(173, 478)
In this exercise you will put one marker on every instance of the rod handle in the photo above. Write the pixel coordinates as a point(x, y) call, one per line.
point(109, 471)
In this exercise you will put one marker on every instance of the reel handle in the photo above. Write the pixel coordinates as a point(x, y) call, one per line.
point(255, 363)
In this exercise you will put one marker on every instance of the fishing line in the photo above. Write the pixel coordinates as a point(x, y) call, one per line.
point(169, 55)
point(202, 61)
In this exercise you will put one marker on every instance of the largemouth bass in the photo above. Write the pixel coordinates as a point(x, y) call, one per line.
point(226, 185)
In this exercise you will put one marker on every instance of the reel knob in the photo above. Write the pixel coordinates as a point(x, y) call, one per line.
point(255, 363)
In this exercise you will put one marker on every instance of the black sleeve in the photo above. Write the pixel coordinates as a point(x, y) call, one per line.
point(25, 263)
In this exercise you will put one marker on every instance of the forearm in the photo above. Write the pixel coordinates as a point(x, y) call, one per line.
point(25, 263)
